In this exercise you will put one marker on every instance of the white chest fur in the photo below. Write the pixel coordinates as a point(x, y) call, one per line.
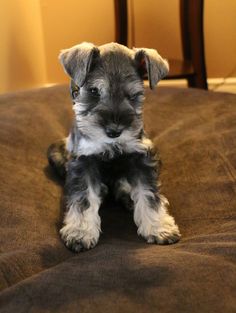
point(124, 144)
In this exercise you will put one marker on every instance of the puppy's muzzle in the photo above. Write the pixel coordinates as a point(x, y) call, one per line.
point(113, 132)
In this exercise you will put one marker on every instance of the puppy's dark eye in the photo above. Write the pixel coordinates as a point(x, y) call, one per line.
point(94, 92)
point(75, 93)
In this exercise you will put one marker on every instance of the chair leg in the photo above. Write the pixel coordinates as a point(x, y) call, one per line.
point(198, 81)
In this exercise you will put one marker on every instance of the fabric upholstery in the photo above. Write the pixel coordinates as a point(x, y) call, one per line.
point(195, 132)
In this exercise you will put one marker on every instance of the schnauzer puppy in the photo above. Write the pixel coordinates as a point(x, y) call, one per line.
point(107, 149)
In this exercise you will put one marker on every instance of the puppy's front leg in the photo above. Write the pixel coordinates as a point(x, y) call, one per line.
point(150, 207)
point(83, 196)
point(152, 218)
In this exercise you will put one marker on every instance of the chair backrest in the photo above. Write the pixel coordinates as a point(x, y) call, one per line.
point(192, 37)
point(121, 20)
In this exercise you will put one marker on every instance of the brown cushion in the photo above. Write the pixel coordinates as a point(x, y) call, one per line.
point(195, 132)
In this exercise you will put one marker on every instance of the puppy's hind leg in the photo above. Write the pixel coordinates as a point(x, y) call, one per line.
point(58, 157)
point(122, 190)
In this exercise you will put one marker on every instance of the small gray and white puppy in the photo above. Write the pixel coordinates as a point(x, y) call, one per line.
point(107, 149)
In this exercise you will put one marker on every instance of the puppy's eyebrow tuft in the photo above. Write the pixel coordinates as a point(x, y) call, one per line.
point(98, 83)
point(135, 88)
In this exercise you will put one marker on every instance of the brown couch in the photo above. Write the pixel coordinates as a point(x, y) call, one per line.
point(195, 132)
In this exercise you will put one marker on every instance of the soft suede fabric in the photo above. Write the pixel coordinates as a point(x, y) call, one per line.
point(195, 132)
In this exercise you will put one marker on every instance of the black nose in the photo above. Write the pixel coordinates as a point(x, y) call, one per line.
point(113, 133)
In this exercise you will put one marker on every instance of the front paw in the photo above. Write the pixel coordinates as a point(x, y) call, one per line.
point(163, 232)
point(165, 237)
point(79, 240)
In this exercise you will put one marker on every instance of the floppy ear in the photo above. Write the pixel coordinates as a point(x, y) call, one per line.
point(77, 61)
point(151, 63)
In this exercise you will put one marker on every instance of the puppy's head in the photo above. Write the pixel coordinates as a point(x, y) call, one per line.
point(107, 88)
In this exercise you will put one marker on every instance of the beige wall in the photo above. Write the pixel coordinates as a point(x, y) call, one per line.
point(22, 57)
point(33, 31)
point(155, 23)
point(220, 37)
point(68, 22)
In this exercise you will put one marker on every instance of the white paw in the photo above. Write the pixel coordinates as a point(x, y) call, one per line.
point(163, 232)
point(79, 240)
point(165, 237)
point(81, 230)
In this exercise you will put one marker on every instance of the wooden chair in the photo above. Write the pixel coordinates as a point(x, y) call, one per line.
point(192, 67)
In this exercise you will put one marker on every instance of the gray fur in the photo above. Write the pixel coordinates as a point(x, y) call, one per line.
point(155, 66)
point(78, 59)
point(107, 149)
